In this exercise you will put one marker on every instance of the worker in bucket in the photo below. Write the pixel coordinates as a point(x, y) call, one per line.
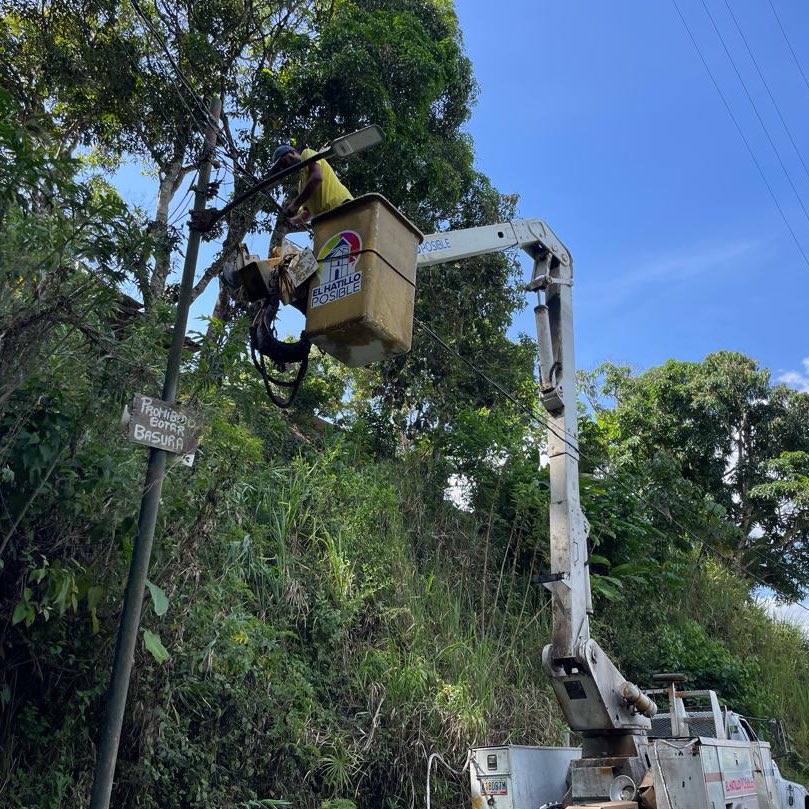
point(319, 190)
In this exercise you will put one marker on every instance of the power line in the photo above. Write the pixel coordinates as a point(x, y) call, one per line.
point(230, 149)
point(766, 86)
point(741, 134)
point(755, 108)
point(223, 135)
point(562, 435)
point(207, 117)
point(607, 473)
point(175, 215)
point(136, 71)
point(789, 45)
point(632, 492)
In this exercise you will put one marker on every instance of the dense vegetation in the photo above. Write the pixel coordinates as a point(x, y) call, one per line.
point(320, 615)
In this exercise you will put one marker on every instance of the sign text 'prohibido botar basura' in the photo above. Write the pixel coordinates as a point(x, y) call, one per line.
point(171, 427)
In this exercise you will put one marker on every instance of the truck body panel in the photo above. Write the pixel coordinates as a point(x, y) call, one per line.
point(519, 776)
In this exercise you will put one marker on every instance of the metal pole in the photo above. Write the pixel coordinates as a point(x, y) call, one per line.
point(149, 506)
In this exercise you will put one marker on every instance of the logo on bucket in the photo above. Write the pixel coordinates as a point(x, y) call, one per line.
point(337, 259)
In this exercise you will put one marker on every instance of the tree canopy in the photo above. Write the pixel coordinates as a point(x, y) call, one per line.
point(737, 440)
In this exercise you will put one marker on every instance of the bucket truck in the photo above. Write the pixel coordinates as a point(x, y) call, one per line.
point(697, 754)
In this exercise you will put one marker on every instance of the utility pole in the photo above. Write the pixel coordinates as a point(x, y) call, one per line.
point(149, 507)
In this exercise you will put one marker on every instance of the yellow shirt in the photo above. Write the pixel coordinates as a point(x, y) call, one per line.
point(329, 194)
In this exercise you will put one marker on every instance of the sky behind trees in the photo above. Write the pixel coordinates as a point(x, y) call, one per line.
point(605, 121)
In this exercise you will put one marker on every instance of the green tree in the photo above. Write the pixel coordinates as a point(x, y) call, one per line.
point(64, 247)
point(126, 81)
point(736, 439)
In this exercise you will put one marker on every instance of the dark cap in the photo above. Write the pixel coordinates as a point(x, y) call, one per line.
point(281, 151)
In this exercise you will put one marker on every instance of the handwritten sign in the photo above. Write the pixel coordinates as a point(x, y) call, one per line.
point(155, 423)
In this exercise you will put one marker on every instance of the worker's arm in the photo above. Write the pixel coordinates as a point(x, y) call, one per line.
point(298, 222)
point(313, 181)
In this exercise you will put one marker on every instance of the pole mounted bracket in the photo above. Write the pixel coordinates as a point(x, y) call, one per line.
point(204, 220)
point(551, 397)
point(548, 578)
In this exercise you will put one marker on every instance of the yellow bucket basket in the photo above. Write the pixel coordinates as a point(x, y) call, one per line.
point(360, 302)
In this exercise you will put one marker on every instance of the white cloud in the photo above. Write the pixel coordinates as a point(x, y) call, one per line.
point(676, 267)
point(797, 379)
point(789, 613)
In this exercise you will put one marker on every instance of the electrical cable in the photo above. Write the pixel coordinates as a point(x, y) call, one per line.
point(177, 214)
point(136, 71)
point(755, 109)
point(206, 115)
point(607, 473)
point(561, 435)
point(789, 45)
point(742, 135)
point(766, 86)
point(457, 773)
point(258, 359)
point(257, 355)
point(227, 146)
point(231, 150)
point(173, 217)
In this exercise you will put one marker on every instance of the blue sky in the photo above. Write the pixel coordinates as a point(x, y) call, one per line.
point(603, 119)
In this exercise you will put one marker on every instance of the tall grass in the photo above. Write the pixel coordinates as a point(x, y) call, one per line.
point(331, 624)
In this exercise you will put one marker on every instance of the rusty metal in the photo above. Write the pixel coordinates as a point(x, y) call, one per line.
point(640, 701)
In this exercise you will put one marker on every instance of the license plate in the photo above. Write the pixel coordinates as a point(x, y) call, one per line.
point(494, 786)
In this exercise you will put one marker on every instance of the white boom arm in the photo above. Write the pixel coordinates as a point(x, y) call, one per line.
point(532, 234)
point(597, 701)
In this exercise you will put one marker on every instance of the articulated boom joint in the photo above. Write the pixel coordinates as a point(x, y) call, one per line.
point(594, 696)
point(546, 272)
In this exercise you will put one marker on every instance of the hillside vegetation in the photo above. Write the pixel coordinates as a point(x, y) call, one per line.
point(321, 614)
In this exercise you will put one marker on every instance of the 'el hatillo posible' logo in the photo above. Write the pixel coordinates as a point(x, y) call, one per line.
point(338, 258)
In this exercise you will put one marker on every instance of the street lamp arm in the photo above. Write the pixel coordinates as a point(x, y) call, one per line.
point(344, 146)
point(205, 220)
